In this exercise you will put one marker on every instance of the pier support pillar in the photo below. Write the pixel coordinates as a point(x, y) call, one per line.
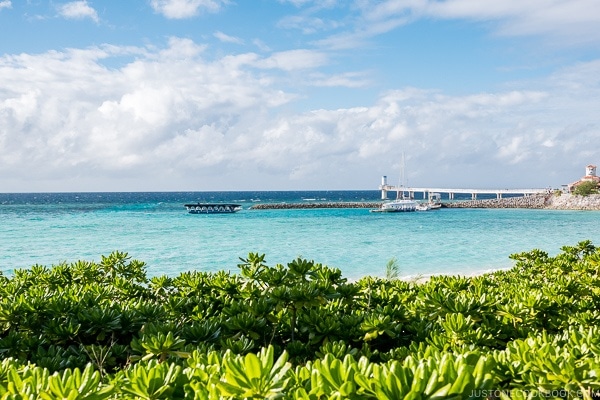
point(383, 187)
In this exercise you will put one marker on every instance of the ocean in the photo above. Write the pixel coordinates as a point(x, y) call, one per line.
point(51, 228)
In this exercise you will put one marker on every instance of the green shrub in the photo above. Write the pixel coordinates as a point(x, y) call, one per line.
point(586, 188)
point(302, 331)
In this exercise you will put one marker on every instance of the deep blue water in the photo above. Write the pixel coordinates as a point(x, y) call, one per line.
point(104, 199)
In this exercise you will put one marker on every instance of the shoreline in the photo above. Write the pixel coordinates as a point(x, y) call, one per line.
point(552, 201)
point(424, 278)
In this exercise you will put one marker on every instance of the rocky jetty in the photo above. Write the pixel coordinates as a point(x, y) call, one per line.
point(573, 202)
point(535, 201)
point(339, 204)
point(554, 201)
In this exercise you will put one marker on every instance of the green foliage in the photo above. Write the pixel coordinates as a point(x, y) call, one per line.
point(158, 346)
point(392, 269)
point(31, 382)
point(150, 381)
point(301, 331)
point(254, 375)
point(586, 188)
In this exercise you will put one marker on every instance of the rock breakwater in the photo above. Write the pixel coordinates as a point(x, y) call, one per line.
point(573, 202)
point(339, 204)
point(552, 201)
point(562, 201)
point(535, 201)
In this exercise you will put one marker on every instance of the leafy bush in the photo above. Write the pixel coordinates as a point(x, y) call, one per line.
point(586, 188)
point(301, 331)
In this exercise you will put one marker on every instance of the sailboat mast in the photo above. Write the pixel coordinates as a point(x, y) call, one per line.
point(402, 173)
point(401, 180)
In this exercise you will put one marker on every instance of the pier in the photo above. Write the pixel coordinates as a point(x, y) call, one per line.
point(427, 192)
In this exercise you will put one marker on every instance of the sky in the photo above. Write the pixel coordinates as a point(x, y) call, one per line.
point(224, 95)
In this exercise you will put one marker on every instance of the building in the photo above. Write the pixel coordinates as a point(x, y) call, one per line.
point(590, 176)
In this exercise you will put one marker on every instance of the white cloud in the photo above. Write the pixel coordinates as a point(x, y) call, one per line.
point(308, 24)
point(297, 3)
point(78, 10)
point(5, 4)
point(66, 108)
point(294, 60)
point(558, 22)
point(349, 80)
point(262, 46)
point(170, 118)
point(314, 4)
point(227, 39)
point(568, 21)
point(180, 9)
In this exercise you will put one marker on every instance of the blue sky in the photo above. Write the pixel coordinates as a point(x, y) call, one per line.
point(296, 94)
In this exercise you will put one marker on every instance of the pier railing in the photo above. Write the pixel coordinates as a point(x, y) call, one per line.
point(427, 192)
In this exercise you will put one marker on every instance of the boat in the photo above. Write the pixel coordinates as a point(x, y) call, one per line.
point(398, 205)
point(423, 207)
point(212, 208)
point(403, 203)
point(434, 203)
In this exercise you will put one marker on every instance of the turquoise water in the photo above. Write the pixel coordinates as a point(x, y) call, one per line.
point(157, 230)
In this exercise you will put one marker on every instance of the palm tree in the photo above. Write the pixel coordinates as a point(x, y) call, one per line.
point(392, 269)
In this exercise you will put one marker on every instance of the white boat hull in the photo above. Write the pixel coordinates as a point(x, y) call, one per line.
point(398, 206)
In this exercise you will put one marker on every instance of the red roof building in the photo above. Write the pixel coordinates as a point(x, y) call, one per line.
point(590, 176)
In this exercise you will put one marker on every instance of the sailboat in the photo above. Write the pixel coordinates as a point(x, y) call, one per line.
point(403, 203)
